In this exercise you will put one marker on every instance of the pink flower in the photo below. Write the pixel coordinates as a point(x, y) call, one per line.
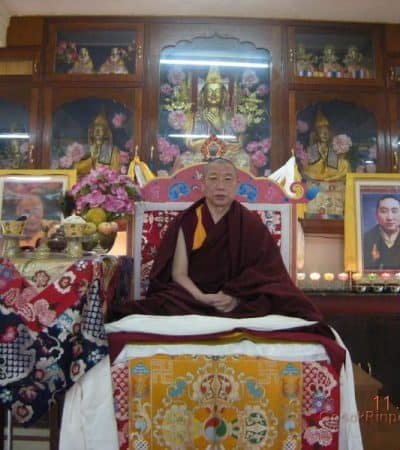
point(262, 90)
point(249, 78)
point(66, 162)
point(265, 145)
point(300, 154)
point(302, 126)
point(123, 157)
point(166, 89)
point(118, 120)
point(75, 151)
point(167, 152)
point(129, 145)
point(108, 189)
point(259, 159)
point(252, 147)
point(262, 146)
point(177, 119)
point(341, 143)
point(114, 204)
point(238, 123)
point(176, 76)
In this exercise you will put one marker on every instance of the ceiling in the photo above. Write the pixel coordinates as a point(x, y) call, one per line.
point(387, 11)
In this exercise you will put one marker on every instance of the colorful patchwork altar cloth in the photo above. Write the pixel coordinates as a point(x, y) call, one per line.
point(224, 403)
point(51, 330)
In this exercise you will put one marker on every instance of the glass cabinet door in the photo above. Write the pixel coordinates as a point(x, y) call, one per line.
point(214, 101)
point(394, 72)
point(93, 50)
point(394, 112)
point(217, 85)
point(87, 128)
point(334, 55)
point(334, 135)
point(18, 122)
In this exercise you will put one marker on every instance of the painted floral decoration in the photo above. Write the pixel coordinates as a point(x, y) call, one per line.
point(66, 52)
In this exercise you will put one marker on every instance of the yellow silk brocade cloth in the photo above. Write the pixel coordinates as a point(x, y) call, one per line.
point(220, 403)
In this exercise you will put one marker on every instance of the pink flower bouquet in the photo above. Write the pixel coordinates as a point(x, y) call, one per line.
point(107, 189)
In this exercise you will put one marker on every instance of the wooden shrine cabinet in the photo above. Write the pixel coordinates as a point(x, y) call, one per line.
point(337, 112)
point(335, 55)
point(394, 118)
point(94, 72)
point(95, 49)
point(393, 92)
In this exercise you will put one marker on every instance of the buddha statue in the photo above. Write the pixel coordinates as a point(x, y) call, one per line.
point(114, 63)
point(212, 118)
point(304, 61)
point(84, 63)
point(101, 150)
point(353, 59)
point(324, 164)
point(329, 60)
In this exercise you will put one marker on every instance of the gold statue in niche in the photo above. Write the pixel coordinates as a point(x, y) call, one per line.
point(114, 63)
point(101, 152)
point(329, 60)
point(84, 63)
point(212, 118)
point(305, 62)
point(324, 163)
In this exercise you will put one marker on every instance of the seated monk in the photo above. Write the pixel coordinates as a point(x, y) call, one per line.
point(217, 258)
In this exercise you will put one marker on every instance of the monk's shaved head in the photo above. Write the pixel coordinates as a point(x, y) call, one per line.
point(218, 161)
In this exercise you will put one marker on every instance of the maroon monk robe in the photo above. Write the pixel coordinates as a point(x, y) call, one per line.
point(238, 256)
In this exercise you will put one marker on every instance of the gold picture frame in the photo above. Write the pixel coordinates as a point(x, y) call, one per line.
point(48, 186)
point(371, 223)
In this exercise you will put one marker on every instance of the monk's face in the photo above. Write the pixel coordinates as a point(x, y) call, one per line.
point(220, 182)
point(32, 207)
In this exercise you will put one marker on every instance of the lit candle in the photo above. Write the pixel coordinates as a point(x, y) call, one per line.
point(314, 277)
point(301, 276)
point(372, 277)
point(329, 276)
point(386, 276)
point(343, 276)
point(356, 276)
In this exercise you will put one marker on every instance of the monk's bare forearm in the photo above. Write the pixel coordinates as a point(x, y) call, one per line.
point(188, 284)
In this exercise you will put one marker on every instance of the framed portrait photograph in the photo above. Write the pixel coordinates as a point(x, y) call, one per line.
point(372, 223)
point(34, 195)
